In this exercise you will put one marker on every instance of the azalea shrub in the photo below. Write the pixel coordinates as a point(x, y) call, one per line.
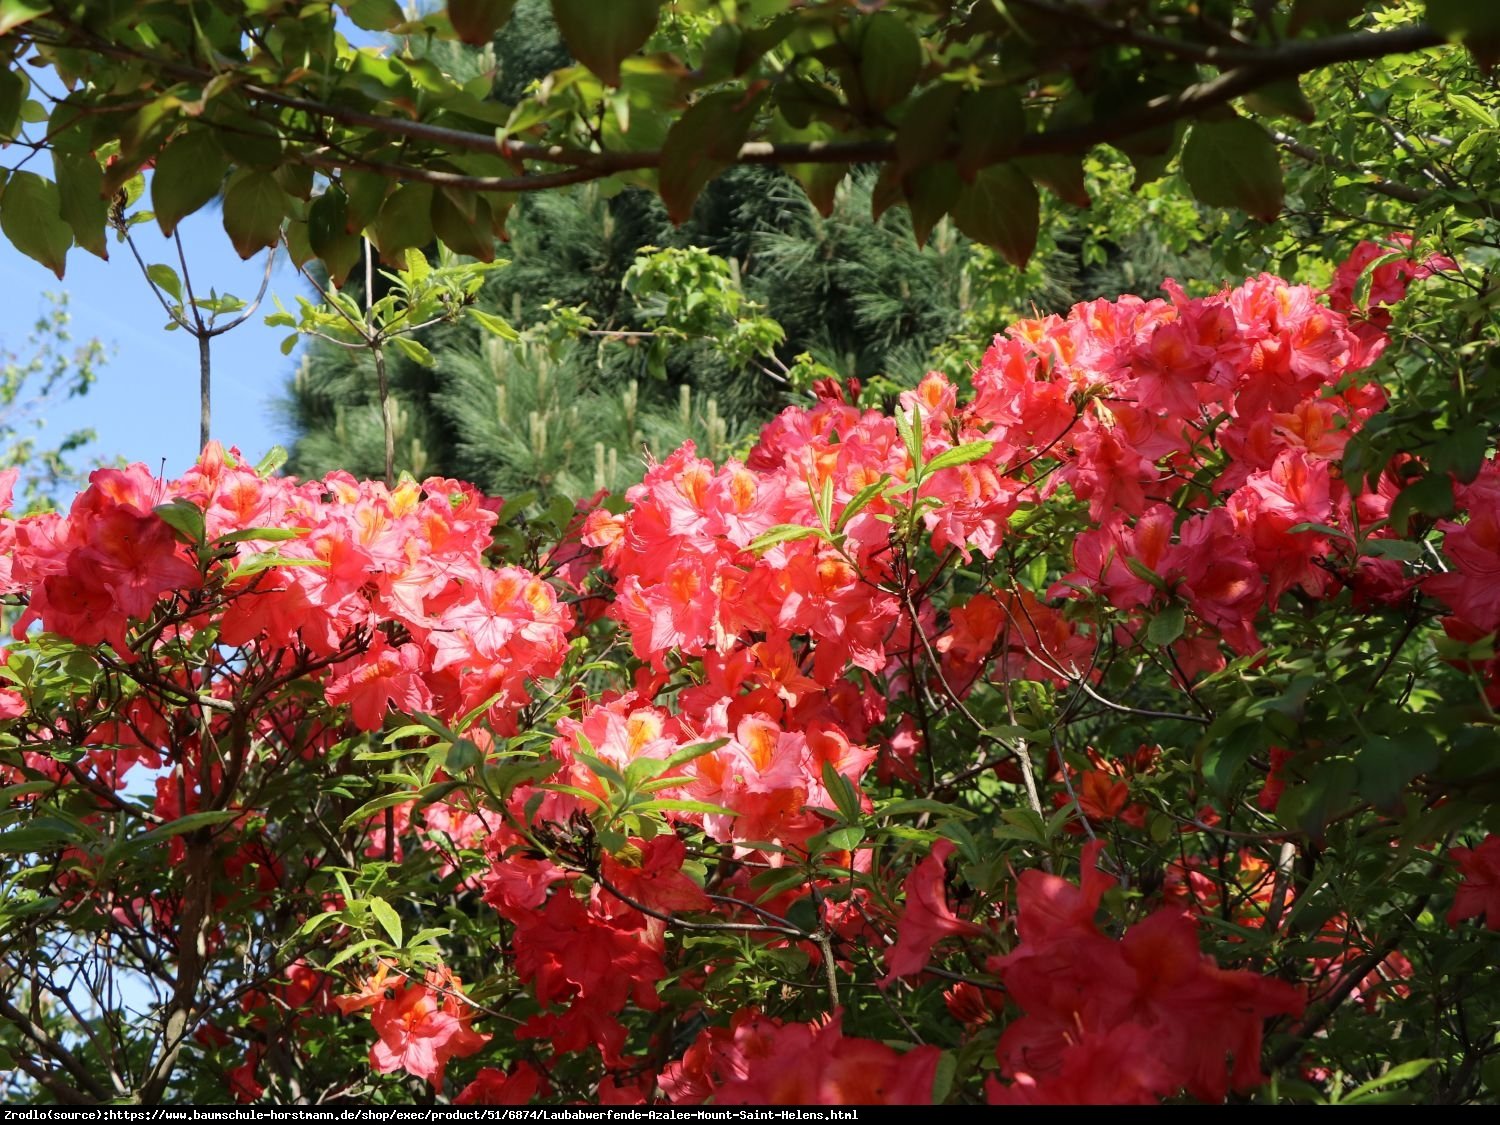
point(1080, 733)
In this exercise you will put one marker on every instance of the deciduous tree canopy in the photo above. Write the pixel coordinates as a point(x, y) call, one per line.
point(967, 108)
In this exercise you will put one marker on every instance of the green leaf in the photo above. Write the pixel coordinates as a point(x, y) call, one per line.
point(253, 209)
point(1167, 625)
point(990, 125)
point(673, 804)
point(1001, 209)
point(844, 839)
point(262, 534)
point(703, 142)
point(1431, 496)
point(1461, 452)
point(266, 560)
point(80, 188)
point(476, 21)
point(906, 429)
point(165, 278)
point(375, 15)
point(12, 95)
point(942, 1077)
point(405, 221)
point(1401, 1072)
point(185, 517)
point(841, 789)
point(1281, 99)
point(1402, 549)
point(1233, 163)
point(696, 750)
point(782, 533)
point(1386, 765)
point(275, 458)
point(968, 847)
point(317, 922)
point(1145, 573)
point(912, 805)
point(958, 455)
point(185, 824)
point(1060, 173)
point(926, 126)
point(464, 234)
point(462, 756)
point(600, 35)
point(349, 952)
point(861, 499)
point(386, 915)
point(413, 351)
point(189, 173)
point(31, 217)
point(329, 236)
point(890, 58)
point(1320, 528)
point(506, 777)
point(930, 193)
point(1473, 109)
point(359, 816)
point(41, 835)
point(13, 13)
point(493, 324)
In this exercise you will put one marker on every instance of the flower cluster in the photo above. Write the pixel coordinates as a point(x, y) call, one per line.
point(845, 651)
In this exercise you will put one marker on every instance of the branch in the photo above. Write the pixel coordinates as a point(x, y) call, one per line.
point(1378, 184)
point(1254, 67)
point(1323, 1011)
point(51, 1047)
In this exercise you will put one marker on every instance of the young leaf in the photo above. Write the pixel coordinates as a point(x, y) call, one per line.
point(275, 458)
point(413, 351)
point(165, 278)
point(493, 324)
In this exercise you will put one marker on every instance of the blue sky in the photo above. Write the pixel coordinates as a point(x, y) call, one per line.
point(145, 404)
